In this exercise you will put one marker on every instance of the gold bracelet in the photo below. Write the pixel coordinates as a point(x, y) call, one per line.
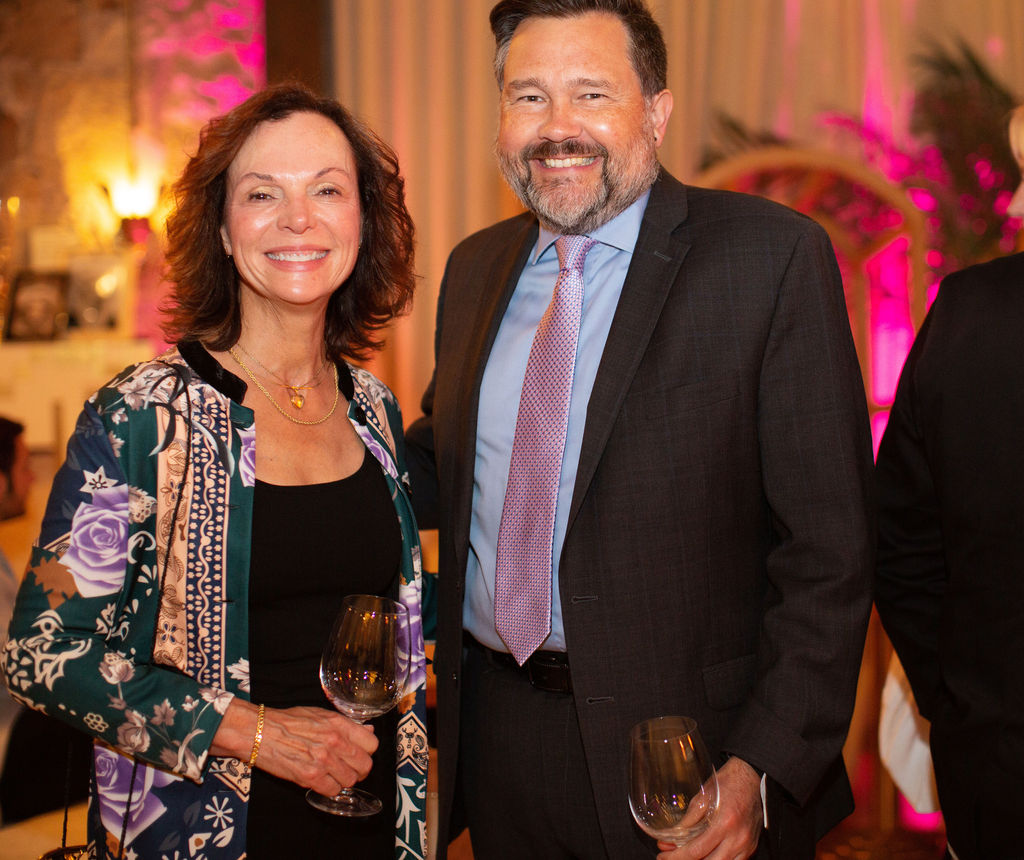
point(258, 739)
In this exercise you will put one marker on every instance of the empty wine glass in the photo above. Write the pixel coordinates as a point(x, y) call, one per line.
point(363, 671)
point(673, 788)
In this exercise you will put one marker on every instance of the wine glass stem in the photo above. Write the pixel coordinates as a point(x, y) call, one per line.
point(349, 792)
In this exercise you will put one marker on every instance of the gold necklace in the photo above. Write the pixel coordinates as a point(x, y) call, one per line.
point(295, 398)
point(270, 397)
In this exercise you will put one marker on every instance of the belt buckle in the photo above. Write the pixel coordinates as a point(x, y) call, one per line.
point(544, 675)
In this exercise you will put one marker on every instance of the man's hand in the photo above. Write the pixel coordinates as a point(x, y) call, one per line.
point(736, 825)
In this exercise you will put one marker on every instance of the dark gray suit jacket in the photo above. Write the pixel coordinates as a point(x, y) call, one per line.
point(719, 548)
point(950, 582)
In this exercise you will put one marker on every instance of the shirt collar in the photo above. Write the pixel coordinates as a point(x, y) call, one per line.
point(621, 232)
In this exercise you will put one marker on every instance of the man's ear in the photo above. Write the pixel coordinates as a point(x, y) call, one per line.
point(659, 110)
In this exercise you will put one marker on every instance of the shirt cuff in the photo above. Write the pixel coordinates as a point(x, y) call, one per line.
point(764, 799)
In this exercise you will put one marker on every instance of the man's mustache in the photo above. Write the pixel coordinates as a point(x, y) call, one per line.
point(565, 149)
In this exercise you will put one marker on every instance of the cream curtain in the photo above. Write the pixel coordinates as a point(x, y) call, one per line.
point(419, 71)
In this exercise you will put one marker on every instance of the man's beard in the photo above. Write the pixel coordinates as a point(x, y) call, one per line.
point(569, 207)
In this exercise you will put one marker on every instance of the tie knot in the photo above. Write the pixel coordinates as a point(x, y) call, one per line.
point(572, 250)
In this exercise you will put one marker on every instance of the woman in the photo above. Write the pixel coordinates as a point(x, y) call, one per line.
point(219, 501)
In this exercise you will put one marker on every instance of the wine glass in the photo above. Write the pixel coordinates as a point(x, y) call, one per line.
point(363, 671)
point(673, 788)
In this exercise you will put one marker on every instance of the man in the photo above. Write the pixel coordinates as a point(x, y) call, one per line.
point(16, 474)
point(35, 750)
point(950, 578)
point(16, 478)
point(704, 528)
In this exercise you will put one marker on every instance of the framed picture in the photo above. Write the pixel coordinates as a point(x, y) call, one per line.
point(37, 307)
point(97, 284)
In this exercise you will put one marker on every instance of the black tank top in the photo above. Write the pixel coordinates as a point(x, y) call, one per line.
point(311, 546)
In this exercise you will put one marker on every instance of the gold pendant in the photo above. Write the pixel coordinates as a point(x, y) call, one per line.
point(298, 401)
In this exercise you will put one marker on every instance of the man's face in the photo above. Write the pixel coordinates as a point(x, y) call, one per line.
point(577, 140)
point(14, 489)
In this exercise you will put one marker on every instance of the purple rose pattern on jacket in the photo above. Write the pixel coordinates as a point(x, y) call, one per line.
point(99, 542)
point(113, 775)
point(247, 461)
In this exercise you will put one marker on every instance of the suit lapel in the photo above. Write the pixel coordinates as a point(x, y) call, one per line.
point(495, 281)
point(657, 259)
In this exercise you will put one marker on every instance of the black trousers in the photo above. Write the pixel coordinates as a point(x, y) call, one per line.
point(524, 774)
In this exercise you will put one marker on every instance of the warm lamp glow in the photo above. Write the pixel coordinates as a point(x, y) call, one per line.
point(13, 205)
point(133, 198)
point(107, 284)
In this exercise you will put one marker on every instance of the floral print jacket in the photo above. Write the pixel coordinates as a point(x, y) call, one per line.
point(132, 619)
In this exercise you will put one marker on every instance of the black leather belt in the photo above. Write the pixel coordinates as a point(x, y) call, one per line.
point(546, 670)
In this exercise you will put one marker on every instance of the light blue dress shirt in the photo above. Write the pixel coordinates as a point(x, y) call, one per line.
point(604, 272)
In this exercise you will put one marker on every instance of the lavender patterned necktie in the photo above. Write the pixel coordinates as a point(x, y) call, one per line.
point(522, 594)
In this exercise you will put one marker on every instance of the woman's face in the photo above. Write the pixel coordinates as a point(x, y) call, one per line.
point(292, 217)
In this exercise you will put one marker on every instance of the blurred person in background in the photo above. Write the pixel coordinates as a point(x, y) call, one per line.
point(44, 763)
point(16, 478)
point(950, 579)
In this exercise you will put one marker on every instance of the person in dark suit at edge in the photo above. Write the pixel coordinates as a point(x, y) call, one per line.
point(950, 579)
point(685, 526)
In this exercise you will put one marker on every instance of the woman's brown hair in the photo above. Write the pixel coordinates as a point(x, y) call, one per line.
point(204, 303)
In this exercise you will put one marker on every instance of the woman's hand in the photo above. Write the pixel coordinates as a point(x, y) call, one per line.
point(314, 747)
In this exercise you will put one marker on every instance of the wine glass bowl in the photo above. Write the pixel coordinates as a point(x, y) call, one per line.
point(363, 672)
point(673, 788)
